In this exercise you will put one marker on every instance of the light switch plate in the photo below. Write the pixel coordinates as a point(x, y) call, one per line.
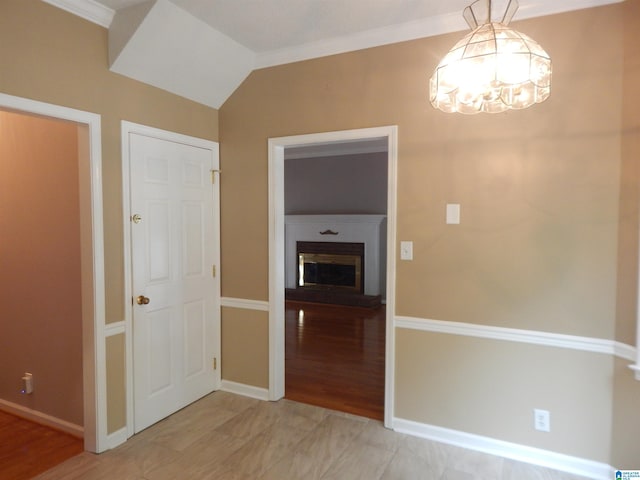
point(406, 250)
point(453, 213)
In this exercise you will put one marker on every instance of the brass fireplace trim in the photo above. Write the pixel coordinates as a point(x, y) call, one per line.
point(336, 259)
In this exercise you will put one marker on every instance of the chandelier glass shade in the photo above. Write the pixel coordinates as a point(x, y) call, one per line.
point(492, 69)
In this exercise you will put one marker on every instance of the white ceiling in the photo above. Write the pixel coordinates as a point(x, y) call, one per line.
point(190, 47)
point(263, 26)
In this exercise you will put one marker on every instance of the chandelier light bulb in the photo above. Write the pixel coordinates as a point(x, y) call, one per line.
point(492, 69)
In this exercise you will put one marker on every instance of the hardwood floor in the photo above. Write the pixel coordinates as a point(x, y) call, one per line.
point(334, 357)
point(28, 449)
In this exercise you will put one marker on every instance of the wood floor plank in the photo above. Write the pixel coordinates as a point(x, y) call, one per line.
point(27, 449)
point(334, 357)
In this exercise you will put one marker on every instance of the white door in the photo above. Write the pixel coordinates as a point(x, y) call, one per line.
point(176, 293)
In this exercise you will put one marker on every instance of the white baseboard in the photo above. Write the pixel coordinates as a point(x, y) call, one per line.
point(245, 390)
point(521, 453)
point(42, 418)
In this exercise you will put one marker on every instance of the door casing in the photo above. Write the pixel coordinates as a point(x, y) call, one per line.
point(276, 148)
point(94, 331)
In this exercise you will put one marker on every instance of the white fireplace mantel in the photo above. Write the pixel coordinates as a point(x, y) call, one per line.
point(368, 229)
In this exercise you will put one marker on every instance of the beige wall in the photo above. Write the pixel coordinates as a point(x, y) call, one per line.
point(539, 188)
point(52, 56)
point(41, 322)
point(537, 248)
point(626, 420)
point(248, 365)
point(491, 387)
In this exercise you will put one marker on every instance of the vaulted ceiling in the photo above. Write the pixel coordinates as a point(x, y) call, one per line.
point(204, 49)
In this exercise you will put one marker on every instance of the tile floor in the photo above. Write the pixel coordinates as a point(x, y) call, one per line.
point(229, 437)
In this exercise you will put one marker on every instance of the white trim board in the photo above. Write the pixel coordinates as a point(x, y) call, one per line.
point(42, 418)
point(587, 344)
point(92, 261)
point(426, 27)
point(534, 337)
point(244, 390)
point(513, 451)
point(88, 9)
point(111, 329)
point(244, 304)
point(117, 438)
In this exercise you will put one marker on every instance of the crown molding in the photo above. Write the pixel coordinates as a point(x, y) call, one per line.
point(427, 27)
point(88, 9)
point(97, 13)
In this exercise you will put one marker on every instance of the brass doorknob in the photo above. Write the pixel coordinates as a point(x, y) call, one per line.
point(142, 300)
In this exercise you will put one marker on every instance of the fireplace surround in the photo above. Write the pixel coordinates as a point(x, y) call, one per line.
point(336, 258)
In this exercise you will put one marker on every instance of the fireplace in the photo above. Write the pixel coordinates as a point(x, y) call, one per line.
point(330, 265)
point(337, 259)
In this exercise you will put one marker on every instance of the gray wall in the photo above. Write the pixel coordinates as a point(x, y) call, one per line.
point(336, 185)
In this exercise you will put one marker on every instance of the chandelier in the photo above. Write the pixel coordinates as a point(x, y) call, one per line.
point(492, 69)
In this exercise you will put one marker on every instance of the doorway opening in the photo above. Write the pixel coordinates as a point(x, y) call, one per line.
point(319, 144)
point(91, 264)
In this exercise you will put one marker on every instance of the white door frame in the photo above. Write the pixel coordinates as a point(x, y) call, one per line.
point(126, 129)
point(277, 256)
point(92, 261)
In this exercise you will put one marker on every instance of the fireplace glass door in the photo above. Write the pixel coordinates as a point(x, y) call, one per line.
point(330, 271)
point(330, 265)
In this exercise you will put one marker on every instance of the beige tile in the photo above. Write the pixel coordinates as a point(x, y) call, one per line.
point(229, 401)
point(513, 470)
point(478, 464)
point(296, 466)
point(140, 458)
point(204, 458)
point(436, 454)
point(180, 432)
point(229, 437)
point(74, 467)
point(257, 455)
point(359, 462)
point(453, 474)
point(252, 421)
point(299, 415)
point(405, 466)
point(330, 438)
point(375, 434)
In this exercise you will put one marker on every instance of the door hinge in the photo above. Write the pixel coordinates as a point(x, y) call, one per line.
point(213, 175)
point(213, 271)
point(215, 363)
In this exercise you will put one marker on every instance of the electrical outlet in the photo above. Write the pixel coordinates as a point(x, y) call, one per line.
point(542, 420)
point(406, 250)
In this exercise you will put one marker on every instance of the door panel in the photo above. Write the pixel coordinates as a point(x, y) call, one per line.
point(174, 247)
